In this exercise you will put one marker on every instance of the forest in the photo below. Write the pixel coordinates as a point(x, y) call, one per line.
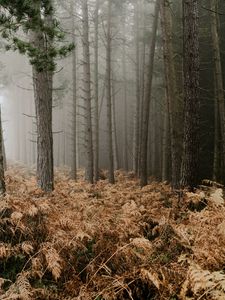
point(112, 149)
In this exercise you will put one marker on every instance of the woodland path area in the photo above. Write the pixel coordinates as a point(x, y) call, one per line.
point(106, 241)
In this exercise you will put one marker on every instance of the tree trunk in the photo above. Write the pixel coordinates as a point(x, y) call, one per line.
point(142, 85)
point(190, 163)
point(165, 144)
point(109, 96)
point(43, 82)
point(137, 108)
point(125, 136)
point(219, 91)
point(74, 104)
point(96, 140)
point(89, 172)
point(147, 99)
point(2, 176)
point(114, 127)
point(171, 91)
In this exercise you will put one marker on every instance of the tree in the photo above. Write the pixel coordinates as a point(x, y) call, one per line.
point(219, 90)
point(96, 140)
point(74, 91)
point(109, 94)
point(89, 171)
point(138, 94)
point(171, 90)
point(190, 163)
point(38, 24)
point(2, 176)
point(43, 84)
point(147, 99)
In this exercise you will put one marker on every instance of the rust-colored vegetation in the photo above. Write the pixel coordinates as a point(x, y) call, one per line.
point(110, 241)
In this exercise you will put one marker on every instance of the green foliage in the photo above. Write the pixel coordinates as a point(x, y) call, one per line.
point(38, 18)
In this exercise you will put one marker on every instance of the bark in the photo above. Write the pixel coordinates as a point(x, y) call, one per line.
point(43, 81)
point(2, 176)
point(89, 171)
point(74, 104)
point(137, 109)
point(171, 91)
point(165, 145)
point(125, 152)
point(190, 163)
point(108, 92)
point(96, 146)
point(147, 99)
point(219, 90)
point(115, 138)
point(142, 85)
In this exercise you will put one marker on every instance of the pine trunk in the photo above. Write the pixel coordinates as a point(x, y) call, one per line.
point(74, 99)
point(190, 163)
point(109, 96)
point(89, 171)
point(137, 108)
point(96, 140)
point(147, 99)
point(2, 176)
point(171, 91)
point(219, 90)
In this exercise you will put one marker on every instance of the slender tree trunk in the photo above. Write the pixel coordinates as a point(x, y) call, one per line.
point(216, 137)
point(109, 96)
point(115, 138)
point(74, 104)
point(96, 140)
point(147, 99)
point(3, 145)
point(89, 172)
point(142, 85)
point(219, 95)
point(165, 144)
point(125, 152)
point(190, 163)
point(2, 176)
point(171, 91)
point(43, 82)
point(137, 108)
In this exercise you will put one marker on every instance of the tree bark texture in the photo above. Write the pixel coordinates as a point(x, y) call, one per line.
point(190, 163)
point(147, 99)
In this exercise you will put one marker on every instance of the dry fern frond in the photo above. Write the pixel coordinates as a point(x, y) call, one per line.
point(3, 251)
point(203, 282)
point(208, 182)
point(217, 197)
point(27, 247)
point(20, 290)
point(151, 277)
point(53, 260)
point(16, 216)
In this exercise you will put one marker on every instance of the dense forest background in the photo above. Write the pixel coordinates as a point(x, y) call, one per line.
point(130, 42)
point(112, 150)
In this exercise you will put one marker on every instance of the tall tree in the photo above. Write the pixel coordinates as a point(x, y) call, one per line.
point(2, 176)
point(138, 94)
point(43, 85)
point(74, 91)
point(147, 99)
point(96, 74)
point(37, 22)
point(109, 92)
point(89, 171)
point(171, 90)
point(190, 163)
point(219, 90)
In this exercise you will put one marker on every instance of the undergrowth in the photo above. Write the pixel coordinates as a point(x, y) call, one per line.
point(110, 242)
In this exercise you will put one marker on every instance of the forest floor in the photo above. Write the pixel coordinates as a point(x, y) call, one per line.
point(110, 241)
